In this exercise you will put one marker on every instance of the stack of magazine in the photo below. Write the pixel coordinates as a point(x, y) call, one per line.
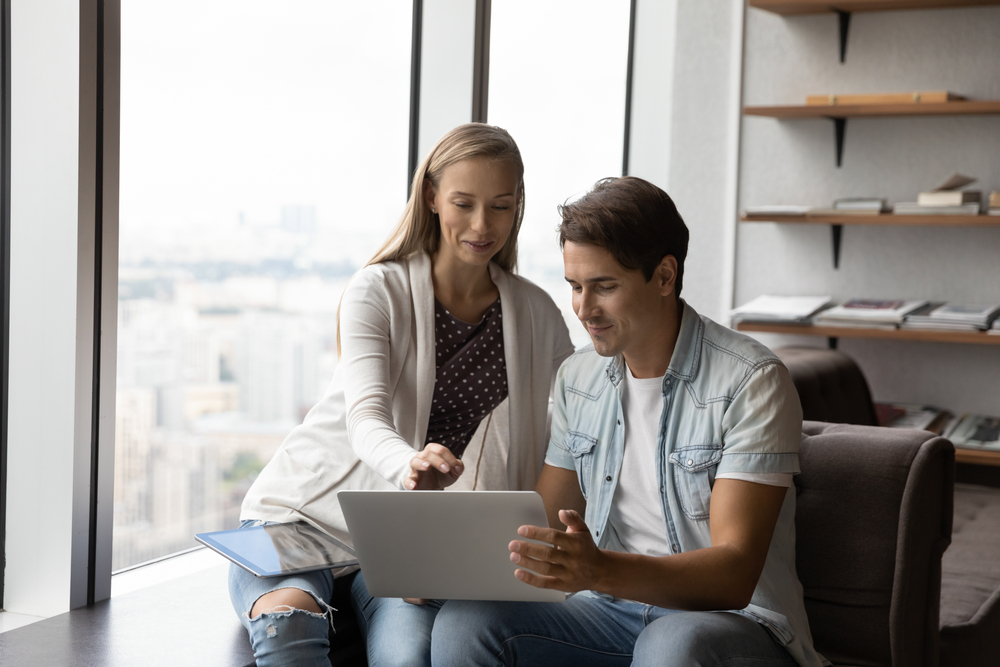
point(869, 313)
point(913, 415)
point(975, 432)
point(953, 316)
point(785, 309)
point(946, 199)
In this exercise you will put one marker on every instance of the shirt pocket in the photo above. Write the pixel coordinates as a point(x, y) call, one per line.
point(581, 446)
point(693, 468)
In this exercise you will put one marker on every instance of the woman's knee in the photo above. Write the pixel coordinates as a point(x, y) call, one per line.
point(285, 599)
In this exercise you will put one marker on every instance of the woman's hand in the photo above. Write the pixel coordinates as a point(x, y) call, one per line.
point(433, 468)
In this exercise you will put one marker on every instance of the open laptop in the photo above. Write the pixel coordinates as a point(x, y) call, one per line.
point(450, 545)
point(279, 549)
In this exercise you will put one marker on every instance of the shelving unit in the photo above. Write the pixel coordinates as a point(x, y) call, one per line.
point(839, 114)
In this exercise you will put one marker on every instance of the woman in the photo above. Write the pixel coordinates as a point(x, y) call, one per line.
point(437, 307)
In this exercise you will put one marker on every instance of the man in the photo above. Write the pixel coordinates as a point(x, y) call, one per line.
point(668, 476)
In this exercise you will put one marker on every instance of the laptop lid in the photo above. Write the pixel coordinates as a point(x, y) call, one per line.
point(449, 545)
point(279, 549)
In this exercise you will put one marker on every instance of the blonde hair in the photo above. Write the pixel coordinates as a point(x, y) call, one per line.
point(418, 228)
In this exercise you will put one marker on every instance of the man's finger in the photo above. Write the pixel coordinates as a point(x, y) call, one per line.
point(574, 522)
point(551, 535)
point(541, 567)
point(540, 552)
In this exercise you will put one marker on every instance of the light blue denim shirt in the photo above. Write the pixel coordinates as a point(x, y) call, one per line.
point(729, 405)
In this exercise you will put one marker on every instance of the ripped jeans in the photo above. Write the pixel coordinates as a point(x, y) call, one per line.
point(284, 637)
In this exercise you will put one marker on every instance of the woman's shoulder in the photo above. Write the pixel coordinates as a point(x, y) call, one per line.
point(392, 274)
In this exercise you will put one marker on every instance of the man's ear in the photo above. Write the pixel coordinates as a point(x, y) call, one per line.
point(666, 275)
point(430, 194)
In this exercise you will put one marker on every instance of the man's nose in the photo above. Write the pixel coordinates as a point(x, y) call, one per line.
point(584, 305)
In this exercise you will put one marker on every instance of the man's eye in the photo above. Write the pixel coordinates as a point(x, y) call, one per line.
point(607, 288)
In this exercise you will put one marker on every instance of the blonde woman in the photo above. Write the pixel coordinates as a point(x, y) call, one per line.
point(437, 308)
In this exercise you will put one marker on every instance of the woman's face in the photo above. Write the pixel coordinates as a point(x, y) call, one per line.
point(476, 202)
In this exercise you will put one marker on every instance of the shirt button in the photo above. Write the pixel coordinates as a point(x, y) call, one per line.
point(619, 422)
point(690, 462)
point(661, 489)
point(608, 478)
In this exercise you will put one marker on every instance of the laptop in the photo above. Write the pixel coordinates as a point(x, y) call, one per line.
point(279, 549)
point(450, 545)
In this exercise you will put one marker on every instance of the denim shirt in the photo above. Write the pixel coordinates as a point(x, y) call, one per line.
point(729, 405)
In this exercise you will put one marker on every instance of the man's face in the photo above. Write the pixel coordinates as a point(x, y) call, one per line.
point(619, 308)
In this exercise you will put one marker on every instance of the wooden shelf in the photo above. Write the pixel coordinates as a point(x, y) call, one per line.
point(956, 108)
point(864, 332)
point(983, 457)
point(789, 7)
point(882, 219)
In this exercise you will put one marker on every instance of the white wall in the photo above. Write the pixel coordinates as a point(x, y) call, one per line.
point(685, 125)
point(794, 162)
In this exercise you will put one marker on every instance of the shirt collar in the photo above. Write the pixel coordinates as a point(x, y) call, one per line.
point(687, 350)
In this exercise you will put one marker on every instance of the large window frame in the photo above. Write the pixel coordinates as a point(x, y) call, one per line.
point(443, 33)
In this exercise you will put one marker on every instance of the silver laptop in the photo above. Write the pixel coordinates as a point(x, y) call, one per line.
point(450, 545)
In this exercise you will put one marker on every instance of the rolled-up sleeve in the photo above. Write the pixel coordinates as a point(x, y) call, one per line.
point(762, 427)
point(557, 455)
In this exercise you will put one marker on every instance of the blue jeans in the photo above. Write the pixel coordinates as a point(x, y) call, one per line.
point(396, 632)
point(592, 631)
point(284, 636)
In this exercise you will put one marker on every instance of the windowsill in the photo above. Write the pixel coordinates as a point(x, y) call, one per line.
point(164, 569)
point(137, 578)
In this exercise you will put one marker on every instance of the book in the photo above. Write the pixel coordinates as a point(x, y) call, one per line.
point(819, 210)
point(913, 208)
point(975, 432)
point(949, 197)
point(777, 209)
point(953, 316)
point(859, 204)
point(770, 308)
point(912, 415)
point(915, 97)
point(862, 312)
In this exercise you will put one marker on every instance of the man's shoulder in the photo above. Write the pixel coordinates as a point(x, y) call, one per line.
point(741, 353)
point(585, 371)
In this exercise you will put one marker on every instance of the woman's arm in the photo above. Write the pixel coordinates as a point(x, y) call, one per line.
point(366, 326)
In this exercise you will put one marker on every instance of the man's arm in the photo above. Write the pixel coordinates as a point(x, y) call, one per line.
point(560, 489)
point(742, 520)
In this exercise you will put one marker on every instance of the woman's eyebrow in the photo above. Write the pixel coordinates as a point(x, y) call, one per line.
point(466, 194)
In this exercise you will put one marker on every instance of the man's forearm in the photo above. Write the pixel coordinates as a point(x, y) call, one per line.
point(715, 578)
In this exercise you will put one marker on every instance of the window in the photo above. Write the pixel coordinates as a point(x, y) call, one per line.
point(557, 83)
point(261, 166)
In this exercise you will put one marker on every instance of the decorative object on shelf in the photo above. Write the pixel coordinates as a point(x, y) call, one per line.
point(994, 203)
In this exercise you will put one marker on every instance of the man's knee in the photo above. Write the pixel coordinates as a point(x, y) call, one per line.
point(464, 633)
point(682, 638)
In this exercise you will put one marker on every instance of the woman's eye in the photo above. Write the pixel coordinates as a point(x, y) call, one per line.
point(462, 204)
point(501, 208)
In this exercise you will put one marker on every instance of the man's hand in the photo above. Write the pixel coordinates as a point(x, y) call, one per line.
point(573, 564)
point(433, 468)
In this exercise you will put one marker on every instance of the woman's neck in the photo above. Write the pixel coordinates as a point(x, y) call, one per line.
point(466, 291)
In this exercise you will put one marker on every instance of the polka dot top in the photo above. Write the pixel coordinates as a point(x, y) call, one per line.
point(471, 377)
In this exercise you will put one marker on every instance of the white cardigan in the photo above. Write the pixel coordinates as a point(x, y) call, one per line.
point(380, 398)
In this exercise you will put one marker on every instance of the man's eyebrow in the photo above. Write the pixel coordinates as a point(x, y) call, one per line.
point(598, 279)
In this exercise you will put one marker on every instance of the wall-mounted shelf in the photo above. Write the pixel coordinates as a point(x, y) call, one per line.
point(974, 337)
point(839, 113)
point(837, 222)
point(882, 219)
point(982, 457)
point(793, 7)
point(843, 9)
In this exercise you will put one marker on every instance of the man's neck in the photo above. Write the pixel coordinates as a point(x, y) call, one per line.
point(650, 357)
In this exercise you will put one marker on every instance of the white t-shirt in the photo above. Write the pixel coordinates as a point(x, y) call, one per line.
point(635, 524)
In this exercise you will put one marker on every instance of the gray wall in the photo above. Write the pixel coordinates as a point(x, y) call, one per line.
point(794, 162)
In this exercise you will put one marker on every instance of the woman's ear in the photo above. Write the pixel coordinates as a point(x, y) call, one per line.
point(666, 274)
point(430, 195)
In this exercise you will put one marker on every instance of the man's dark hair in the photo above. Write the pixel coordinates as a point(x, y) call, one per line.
point(635, 221)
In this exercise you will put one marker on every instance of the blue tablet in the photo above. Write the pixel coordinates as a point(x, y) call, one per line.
point(279, 549)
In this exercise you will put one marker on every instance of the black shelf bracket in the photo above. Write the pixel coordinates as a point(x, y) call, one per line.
point(837, 232)
point(831, 342)
point(839, 130)
point(844, 19)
